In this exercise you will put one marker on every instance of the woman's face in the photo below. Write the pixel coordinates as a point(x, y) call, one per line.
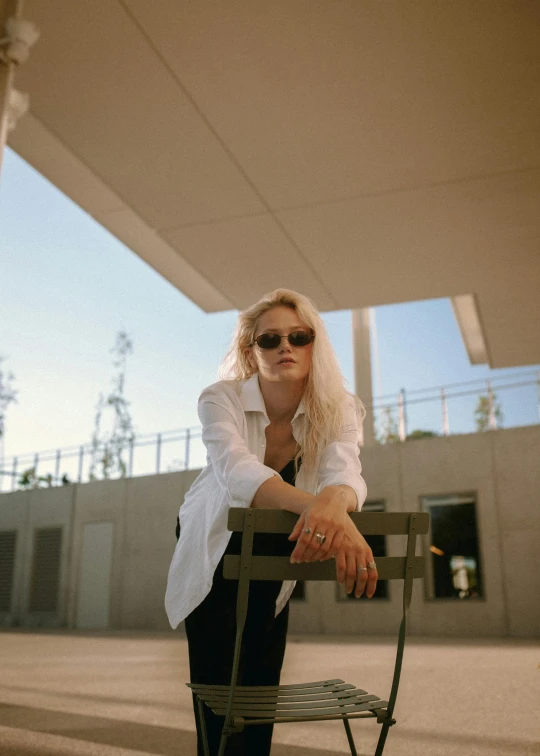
point(286, 362)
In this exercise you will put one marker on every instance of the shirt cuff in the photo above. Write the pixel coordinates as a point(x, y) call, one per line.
point(358, 485)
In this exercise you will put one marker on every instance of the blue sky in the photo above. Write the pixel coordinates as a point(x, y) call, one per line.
point(67, 286)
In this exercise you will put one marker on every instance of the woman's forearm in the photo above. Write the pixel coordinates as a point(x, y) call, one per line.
point(274, 493)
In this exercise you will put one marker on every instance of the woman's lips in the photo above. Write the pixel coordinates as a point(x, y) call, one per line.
point(287, 361)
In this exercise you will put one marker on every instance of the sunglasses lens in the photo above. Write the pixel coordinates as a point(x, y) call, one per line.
point(268, 340)
point(300, 338)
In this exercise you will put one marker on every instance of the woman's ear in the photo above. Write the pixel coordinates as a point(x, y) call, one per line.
point(250, 357)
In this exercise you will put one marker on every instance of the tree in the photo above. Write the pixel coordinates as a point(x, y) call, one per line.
point(7, 395)
point(108, 446)
point(388, 427)
point(487, 406)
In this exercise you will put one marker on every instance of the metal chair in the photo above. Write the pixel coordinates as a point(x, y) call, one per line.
point(324, 699)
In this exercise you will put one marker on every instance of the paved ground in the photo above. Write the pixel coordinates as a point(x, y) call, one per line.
point(122, 694)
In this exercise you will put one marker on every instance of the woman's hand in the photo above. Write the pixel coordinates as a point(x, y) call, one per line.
point(352, 563)
point(328, 515)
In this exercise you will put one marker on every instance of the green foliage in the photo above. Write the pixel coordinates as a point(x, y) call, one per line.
point(421, 434)
point(108, 446)
point(482, 412)
point(29, 479)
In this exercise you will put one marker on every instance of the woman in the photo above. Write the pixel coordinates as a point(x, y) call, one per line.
point(281, 432)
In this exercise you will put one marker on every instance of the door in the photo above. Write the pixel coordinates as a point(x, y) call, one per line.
point(95, 576)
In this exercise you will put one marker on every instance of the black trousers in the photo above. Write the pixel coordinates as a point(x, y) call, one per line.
point(211, 634)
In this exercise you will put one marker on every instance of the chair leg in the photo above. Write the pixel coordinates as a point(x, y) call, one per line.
point(350, 737)
point(382, 739)
point(223, 742)
point(202, 724)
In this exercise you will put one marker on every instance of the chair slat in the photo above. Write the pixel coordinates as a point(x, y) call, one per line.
point(324, 685)
point(376, 703)
point(276, 699)
point(280, 568)
point(281, 707)
point(369, 523)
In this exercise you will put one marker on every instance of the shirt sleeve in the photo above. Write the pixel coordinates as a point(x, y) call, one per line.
point(340, 461)
point(238, 471)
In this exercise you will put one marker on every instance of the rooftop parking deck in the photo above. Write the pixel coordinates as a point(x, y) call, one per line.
point(122, 694)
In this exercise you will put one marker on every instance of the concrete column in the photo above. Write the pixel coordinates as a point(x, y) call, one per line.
point(362, 368)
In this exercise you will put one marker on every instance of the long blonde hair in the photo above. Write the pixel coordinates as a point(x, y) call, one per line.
point(325, 393)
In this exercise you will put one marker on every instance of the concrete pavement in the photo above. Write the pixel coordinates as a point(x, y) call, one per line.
point(76, 693)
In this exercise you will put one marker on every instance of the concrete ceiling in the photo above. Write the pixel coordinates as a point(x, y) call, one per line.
point(362, 152)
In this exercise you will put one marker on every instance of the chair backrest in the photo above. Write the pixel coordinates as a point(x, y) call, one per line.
point(251, 521)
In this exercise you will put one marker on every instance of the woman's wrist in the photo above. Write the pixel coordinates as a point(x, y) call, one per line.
point(345, 495)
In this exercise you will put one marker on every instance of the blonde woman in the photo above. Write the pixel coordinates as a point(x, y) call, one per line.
point(281, 432)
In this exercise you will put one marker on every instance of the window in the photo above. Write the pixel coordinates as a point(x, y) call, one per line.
point(455, 566)
point(377, 544)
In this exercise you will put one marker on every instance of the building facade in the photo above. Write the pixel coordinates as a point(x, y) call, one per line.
point(96, 555)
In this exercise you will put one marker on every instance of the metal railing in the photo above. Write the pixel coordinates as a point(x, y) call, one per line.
point(182, 449)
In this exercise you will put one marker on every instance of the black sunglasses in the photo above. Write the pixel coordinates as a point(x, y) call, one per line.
point(273, 340)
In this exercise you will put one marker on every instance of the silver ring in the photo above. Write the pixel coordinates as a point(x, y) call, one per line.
point(307, 530)
point(361, 569)
point(372, 566)
point(320, 537)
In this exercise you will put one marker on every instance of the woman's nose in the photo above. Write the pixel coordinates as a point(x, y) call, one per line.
point(284, 345)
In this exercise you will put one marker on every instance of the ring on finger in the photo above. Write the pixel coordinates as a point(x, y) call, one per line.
point(308, 531)
point(321, 538)
point(361, 569)
point(371, 566)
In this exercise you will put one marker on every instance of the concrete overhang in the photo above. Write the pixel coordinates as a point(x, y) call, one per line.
point(362, 153)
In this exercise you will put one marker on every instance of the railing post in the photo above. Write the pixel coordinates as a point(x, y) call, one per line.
point(405, 420)
point(14, 474)
point(402, 431)
point(81, 462)
point(158, 452)
point(131, 451)
point(186, 455)
point(57, 465)
point(492, 418)
point(445, 423)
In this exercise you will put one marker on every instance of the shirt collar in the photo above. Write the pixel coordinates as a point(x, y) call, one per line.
point(252, 399)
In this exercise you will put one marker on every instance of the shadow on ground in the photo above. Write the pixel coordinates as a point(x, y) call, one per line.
point(151, 739)
point(170, 741)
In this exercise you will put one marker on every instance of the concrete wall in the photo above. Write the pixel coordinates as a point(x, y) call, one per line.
point(502, 469)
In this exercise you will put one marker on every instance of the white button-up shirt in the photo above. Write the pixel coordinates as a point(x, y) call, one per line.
point(234, 418)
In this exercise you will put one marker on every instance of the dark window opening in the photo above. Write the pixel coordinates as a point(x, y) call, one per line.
point(455, 552)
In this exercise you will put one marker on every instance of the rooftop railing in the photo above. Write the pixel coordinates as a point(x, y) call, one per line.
point(409, 414)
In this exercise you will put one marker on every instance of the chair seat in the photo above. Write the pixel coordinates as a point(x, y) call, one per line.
point(325, 699)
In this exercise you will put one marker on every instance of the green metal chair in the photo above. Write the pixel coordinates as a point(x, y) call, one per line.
point(249, 706)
